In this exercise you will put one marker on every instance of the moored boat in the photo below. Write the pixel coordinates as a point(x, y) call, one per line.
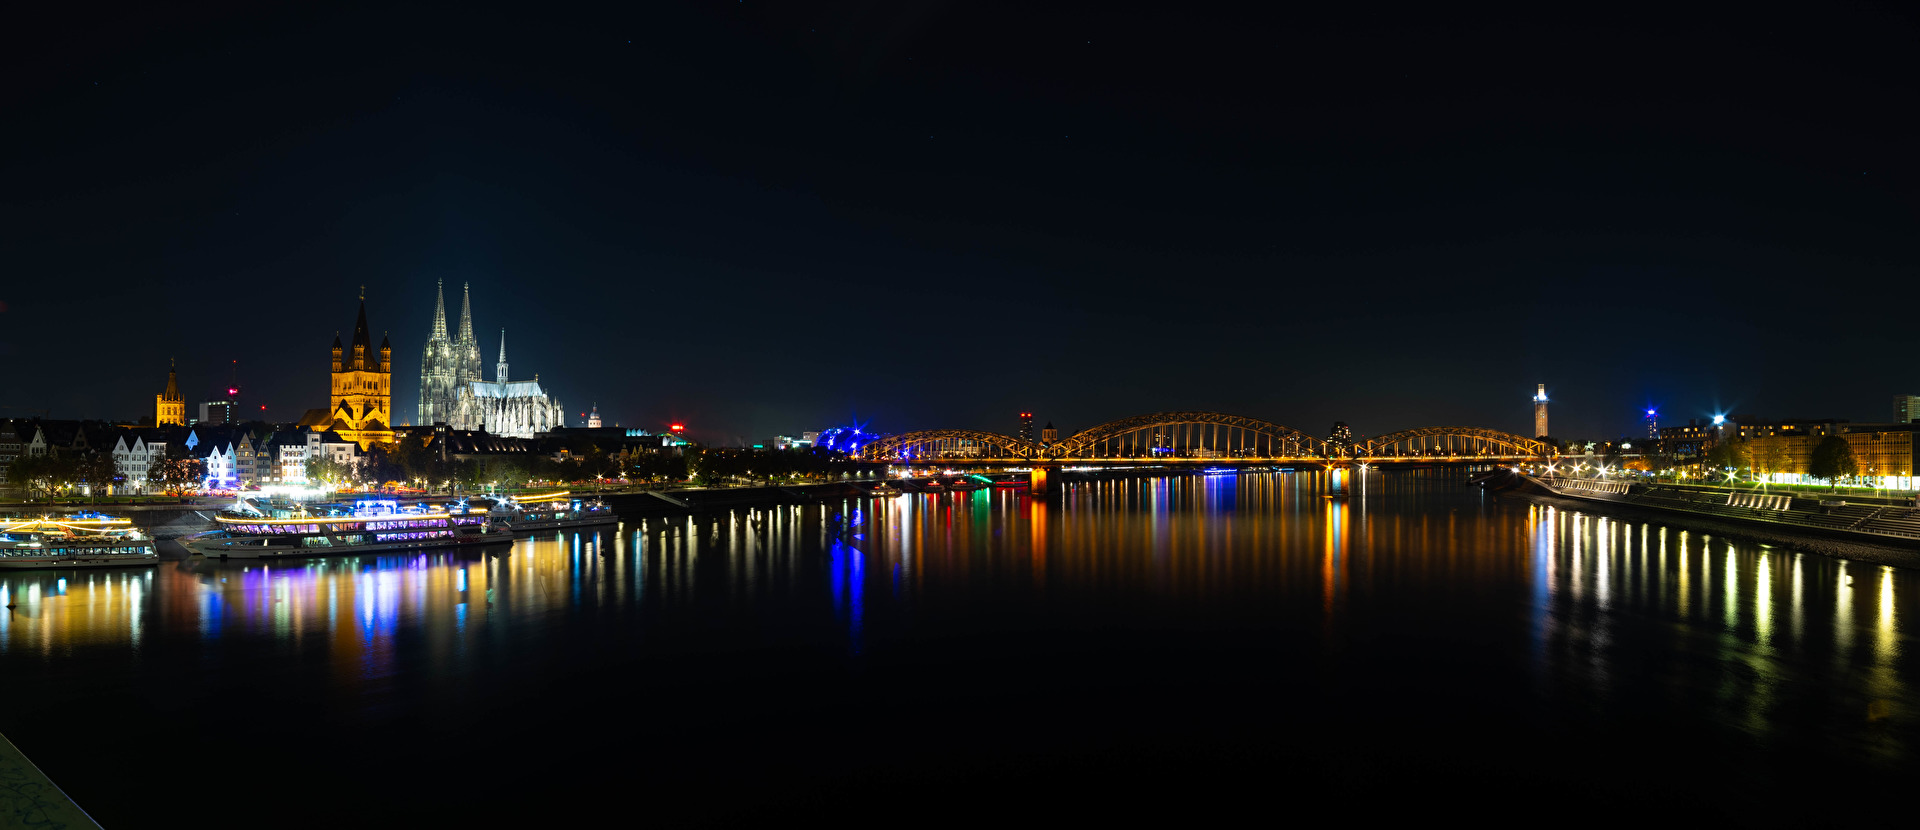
point(83, 541)
point(547, 511)
point(253, 531)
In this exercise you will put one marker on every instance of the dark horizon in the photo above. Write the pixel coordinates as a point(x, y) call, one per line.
point(772, 219)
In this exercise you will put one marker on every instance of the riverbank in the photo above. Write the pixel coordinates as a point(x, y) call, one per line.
point(29, 799)
point(1806, 540)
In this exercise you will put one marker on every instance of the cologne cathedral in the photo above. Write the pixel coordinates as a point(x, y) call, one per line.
point(453, 392)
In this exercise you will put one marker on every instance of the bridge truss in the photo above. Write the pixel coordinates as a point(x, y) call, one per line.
point(1202, 436)
point(1442, 442)
point(931, 444)
point(1189, 435)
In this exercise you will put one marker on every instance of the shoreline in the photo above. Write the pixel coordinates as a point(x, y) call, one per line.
point(1836, 548)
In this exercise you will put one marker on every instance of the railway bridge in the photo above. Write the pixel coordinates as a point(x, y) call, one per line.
point(1202, 438)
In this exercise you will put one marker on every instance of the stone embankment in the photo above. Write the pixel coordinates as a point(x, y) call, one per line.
point(1836, 542)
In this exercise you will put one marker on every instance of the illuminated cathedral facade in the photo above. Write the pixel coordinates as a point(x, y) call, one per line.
point(454, 392)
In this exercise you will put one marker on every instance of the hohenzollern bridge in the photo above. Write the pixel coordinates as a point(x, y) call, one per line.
point(1203, 438)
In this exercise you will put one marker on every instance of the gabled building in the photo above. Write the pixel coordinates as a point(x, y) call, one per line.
point(135, 453)
point(14, 435)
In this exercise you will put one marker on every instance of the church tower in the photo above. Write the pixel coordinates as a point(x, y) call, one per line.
point(170, 407)
point(438, 390)
point(466, 349)
point(363, 386)
point(500, 369)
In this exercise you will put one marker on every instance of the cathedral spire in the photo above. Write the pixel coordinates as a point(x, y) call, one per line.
point(466, 314)
point(500, 369)
point(439, 309)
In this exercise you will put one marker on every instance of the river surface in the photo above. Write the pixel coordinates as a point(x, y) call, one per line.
point(1186, 648)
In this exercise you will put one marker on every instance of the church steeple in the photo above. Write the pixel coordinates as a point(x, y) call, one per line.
point(500, 369)
point(363, 358)
point(439, 310)
point(466, 314)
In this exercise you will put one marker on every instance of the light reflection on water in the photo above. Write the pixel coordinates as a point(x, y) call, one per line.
point(1603, 607)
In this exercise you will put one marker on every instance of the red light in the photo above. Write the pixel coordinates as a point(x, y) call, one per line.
point(232, 391)
point(678, 427)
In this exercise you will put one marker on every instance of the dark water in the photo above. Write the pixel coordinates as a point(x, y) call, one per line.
point(1179, 649)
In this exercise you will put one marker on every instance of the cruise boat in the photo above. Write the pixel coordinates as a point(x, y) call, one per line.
point(963, 484)
point(883, 489)
point(548, 511)
point(255, 531)
point(86, 540)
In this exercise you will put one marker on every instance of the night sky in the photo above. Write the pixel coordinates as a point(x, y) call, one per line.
point(771, 217)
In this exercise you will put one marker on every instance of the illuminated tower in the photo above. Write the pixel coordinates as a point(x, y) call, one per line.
point(438, 388)
point(1653, 428)
point(593, 420)
point(363, 386)
point(1026, 426)
point(500, 369)
point(1049, 435)
point(170, 407)
point(466, 349)
point(1540, 412)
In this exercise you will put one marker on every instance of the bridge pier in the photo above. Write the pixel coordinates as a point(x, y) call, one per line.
point(1037, 480)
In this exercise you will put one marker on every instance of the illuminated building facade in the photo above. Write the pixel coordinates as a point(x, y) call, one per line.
point(362, 401)
point(1026, 427)
point(1883, 453)
point(454, 392)
point(170, 407)
point(443, 361)
point(1540, 412)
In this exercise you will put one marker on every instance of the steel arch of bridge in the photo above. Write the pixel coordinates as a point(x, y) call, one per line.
point(945, 443)
point(1444, 441)
point(1294, 442)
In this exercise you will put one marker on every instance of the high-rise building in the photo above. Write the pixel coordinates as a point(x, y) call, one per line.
point(1540, 412)
point(1906, 409)
point(1653, 425)
point(1341, 436)
point(218, 412)
point(1026, 426)
point(170, 407)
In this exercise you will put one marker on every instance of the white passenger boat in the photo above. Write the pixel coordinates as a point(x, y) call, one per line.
point(255, 531)
point(82, 541)
point(546, 511)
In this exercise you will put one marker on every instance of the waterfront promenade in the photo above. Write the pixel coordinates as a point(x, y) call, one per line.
point(29, 799)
